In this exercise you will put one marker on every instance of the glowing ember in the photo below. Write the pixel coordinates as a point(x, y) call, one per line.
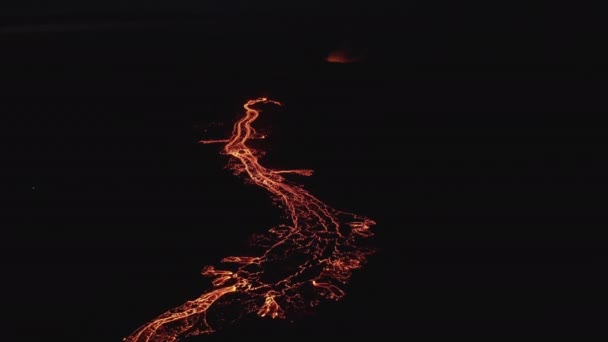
point(308, 258)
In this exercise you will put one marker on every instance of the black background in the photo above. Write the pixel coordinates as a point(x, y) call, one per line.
point(472, 134)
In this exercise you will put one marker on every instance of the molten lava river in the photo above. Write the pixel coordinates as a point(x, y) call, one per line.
point(302, 262)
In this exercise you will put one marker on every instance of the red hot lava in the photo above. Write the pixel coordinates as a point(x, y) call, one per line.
point(315, 252)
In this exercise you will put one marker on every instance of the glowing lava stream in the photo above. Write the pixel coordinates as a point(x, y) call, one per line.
point(301, 262)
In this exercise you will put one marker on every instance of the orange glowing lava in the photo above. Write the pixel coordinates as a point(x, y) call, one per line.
point(340, 57)
point(346, 53)
point(307, 259)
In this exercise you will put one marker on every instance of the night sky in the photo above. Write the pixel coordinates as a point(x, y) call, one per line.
point(471, 133)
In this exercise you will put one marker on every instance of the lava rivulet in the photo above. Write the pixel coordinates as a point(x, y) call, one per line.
point(300, 263)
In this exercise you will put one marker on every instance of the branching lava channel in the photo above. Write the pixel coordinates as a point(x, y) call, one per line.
point(317, 249)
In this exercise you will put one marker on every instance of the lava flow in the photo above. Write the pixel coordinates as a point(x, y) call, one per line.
point(301, 262)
